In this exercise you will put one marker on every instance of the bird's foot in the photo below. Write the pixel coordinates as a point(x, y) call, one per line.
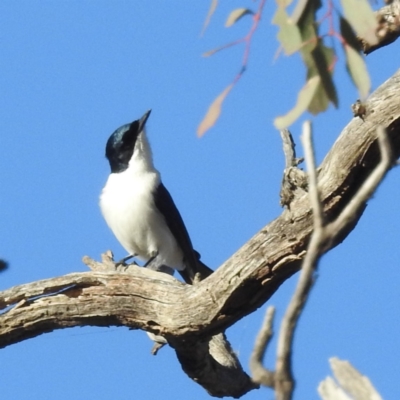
point(155, 265)
point(151, 260)
point(123, 261)
point(121, 265)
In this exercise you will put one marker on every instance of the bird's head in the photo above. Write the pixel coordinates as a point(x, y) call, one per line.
point(121, 144)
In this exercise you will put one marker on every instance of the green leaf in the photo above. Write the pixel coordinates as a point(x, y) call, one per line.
point(237, 14)
point(308, 25)
point(348, 34)
point(304, 99)
point(358, 71)
point(322, 61)
point(289, 33)
point(319, 62)
point(318, 58)
point(362, 19)
point(283, 3)
point(320, 101)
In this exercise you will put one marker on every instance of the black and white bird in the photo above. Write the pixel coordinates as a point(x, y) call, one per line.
point(139, 209)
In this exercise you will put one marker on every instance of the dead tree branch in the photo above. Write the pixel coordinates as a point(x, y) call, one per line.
point(388, 29)
point(282, 379)
point(259, 373)
point(294, 179)
point(351, 384)
point(188, 316)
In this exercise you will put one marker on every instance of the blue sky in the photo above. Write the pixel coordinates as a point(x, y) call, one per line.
point(74, 71)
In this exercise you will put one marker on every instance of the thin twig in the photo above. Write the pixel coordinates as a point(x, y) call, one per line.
point(288, 148)
point(368, 187)
point(284, 384)
point(259, 374)
point(293, 177)
point(306, 140)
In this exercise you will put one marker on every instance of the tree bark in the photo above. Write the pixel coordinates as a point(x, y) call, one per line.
point(388, 31)
point(192, 317)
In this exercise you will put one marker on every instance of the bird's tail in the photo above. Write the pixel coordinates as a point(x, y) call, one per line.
point(203, 270)
point(198, 271)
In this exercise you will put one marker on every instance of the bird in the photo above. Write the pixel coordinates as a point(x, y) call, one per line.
point(140, 211)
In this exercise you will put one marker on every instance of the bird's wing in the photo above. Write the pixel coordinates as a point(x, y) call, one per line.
point(167, 207)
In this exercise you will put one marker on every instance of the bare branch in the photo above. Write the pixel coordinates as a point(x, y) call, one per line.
point(349, 213)
point(350, 381)
point(288, 149)
point(188, 316)
point(284, 384)
point(214, 365)
point(389, 27)
point(312, 176)
point(294, 179)
point(283, 380)
point(260, 374)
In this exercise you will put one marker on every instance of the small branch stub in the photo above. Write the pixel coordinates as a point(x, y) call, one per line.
point(294, 179)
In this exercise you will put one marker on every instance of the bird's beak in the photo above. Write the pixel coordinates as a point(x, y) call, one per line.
point(142, 121)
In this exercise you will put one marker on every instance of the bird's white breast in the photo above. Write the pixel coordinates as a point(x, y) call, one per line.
point(129, 209)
